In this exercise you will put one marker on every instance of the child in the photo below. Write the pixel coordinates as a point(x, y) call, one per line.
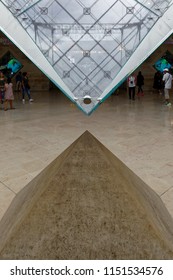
point(2, 87)
point(9, 97)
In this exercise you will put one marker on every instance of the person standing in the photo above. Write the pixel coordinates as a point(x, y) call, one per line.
point(158, 83)
point(2, 87)
point(18, 82)
point(131, 84)
point(26, 87)
point(140, 83)
point(9, 97)
point(167, 79)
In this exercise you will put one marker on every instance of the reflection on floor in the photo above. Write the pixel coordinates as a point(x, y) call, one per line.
point(140, 133)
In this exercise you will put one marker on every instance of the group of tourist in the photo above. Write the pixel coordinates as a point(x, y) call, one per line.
point(162, 83)
point(6, 89)
point(134, 81)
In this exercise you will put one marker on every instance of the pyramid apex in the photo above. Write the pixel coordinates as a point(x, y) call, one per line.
point(86, 205)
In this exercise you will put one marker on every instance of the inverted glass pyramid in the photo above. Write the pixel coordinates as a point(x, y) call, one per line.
point(90, 45)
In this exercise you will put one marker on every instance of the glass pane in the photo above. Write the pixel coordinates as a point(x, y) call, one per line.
point(87, 42)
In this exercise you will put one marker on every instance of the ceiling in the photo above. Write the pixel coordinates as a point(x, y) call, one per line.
point(89, 46)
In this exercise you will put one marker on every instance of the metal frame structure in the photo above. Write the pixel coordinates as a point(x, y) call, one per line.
point(89, 49)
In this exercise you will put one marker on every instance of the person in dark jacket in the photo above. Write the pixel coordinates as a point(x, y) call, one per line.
point(140, 83)
point(158, 83)
point(26, 87)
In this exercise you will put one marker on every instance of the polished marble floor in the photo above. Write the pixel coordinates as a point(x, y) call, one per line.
point(140, 133)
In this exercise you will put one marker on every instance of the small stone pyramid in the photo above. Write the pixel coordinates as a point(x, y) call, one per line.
point(86, 205)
